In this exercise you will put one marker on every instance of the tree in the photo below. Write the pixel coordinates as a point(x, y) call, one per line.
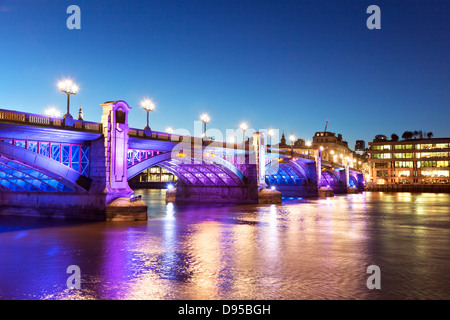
point(429, 135)
point(407, 135)
point(394, 137)
point(415, 134)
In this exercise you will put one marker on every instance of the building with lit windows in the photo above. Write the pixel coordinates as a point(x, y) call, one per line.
point(334, 149)
point(409, 162)
point(153, 178)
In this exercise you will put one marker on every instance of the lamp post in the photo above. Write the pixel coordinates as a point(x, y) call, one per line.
point(244, 128)
point(308, 144)
point(292, 139)
point(169, 130)
point(205, 119)
point(271, 132)
point(147, 105)
point(68, 87)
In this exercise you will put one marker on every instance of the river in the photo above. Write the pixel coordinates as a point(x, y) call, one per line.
point(303, 249)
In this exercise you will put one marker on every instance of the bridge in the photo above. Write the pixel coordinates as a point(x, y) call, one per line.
point(64, 167)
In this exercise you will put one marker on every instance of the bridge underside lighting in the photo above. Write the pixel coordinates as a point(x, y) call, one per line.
point(15, 176)
point(213, 171)
point(206, 173)
point(285, 174)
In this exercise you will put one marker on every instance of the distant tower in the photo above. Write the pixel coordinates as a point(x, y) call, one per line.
point(80, 114)
point(360, 147)
point(283, 139)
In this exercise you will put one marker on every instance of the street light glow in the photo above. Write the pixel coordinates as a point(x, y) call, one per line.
point(292, 138)
point(148, 104)
point(271, 132)
point(244, 126)
point(205, 118)
point(52, 112)
point(308, 143)
point(68, 86)
point(169, 130)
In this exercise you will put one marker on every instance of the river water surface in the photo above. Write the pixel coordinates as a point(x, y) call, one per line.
point(303, 249)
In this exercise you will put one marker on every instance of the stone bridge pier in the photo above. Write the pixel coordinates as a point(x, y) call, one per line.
point(109, 165)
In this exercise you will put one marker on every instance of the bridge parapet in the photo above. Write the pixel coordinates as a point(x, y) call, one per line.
point(24, 118)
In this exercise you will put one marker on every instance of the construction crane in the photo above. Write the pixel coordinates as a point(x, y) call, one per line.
point(326, 124)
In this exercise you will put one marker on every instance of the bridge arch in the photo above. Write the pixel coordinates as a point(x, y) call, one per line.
point(25, 170)
point(285, 173)
point(206, 171)
point(330, 178)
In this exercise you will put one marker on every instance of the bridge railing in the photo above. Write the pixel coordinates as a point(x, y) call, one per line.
point(139, 133)
point(41, 120)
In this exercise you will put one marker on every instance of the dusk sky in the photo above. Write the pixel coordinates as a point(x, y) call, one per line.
point(289, 65)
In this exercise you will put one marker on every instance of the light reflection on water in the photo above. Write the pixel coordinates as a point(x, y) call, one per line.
point(303, 249)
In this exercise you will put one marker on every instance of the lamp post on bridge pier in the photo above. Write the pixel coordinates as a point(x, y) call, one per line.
point(292, 139)
point(308, 144)
point(147, 105)
point(270, 133)
point(68, 87)
point(205, 119)
point(244, 128)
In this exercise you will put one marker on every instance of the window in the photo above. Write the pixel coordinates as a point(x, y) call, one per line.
point(120, 116)
point(403, 146)
point(432, 164)
point(403, 164)
point(381, 156)
point(432, 155)
point(382, 165)
point(154, 170)
point(403, 155)
point(430, 146)
point(436, 174)
point(404, 173)
point(382, 173)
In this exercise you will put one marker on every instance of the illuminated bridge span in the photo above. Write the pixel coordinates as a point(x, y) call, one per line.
point(48, 164)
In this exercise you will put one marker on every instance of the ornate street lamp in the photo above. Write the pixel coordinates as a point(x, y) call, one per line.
point(148, 106)
point(292, 139)
point(271, 133)
point(69, 87)
point(308, 144)
point(244, 128)
point(205, 119)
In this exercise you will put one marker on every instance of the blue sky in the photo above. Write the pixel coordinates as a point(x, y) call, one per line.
point(289, 65)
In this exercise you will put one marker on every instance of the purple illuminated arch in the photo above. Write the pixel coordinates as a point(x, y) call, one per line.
point(207, 171)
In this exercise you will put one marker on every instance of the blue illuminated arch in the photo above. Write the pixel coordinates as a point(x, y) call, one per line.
point(25, 170)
